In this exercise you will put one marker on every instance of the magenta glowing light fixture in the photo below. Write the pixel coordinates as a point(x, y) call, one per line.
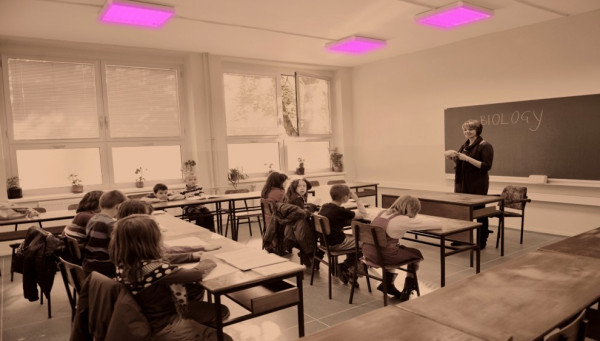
point(453, 15)
point(134, 13)
point(355, 45)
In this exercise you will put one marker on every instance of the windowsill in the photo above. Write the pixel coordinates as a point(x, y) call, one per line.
point(66, 196)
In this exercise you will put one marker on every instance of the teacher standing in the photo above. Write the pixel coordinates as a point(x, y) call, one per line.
point(473, 161)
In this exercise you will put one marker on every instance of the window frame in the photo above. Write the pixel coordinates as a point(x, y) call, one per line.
point(104, 142)
point(282, 138)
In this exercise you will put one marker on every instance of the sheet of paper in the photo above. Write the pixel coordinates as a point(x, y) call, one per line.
point(187, 241)
point(222, 269)
point(275, 268)
point(247, 259)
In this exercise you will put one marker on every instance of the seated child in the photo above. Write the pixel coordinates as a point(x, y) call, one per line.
point(340, 217)
point(198, 213)
point(160, 192)
point(297, 194)
point(87, 207)
point(157, 285)
point(191, 188)
point(98, 234)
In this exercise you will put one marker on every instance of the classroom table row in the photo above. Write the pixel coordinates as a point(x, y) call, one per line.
point(522, 299)
point(241, 273)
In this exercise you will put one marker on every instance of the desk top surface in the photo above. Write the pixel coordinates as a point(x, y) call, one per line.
point(390, 323)
point(455, 198)
point(46, 216)
point(174, 228)
point(444, 226)
point(525, 297)
point(584, 244)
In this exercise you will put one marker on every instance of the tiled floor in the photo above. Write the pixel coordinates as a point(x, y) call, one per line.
point(24, 320)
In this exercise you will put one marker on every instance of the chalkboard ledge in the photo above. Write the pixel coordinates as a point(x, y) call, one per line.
point(527, 181)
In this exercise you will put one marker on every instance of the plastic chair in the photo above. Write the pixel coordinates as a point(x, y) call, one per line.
point(73, 249)
point(375, 235)
point(314, 183)
point(574, 331)
point(515, 199)
point(73, 277)
point(323, 229)
point(246, 212)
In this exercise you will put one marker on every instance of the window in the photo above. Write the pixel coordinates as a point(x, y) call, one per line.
point(261, 131)
point(98, 120)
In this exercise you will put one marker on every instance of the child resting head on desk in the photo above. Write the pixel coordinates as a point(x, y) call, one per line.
point(158, 286)
point(160, 192)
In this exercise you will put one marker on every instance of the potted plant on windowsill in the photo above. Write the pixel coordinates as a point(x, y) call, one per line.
point(139, 181)
point(300, 169)
point(235, 175)
point(13, 189)
point(336, 161)
point(76, 186)
point(188, 167)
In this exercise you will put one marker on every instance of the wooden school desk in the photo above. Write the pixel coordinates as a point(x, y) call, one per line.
point(42, 217)
point(450, 228)
point(524, 298)
point(584, 244)
point(453, 205)
point(364, 189)
point(390, 324)
point(259, 290)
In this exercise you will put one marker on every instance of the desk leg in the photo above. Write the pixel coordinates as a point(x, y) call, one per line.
point(502, 231)
point(300, 306)
point(219, 318)
point(376, 195)
point(234, 227)
point(219, 218)
point(478, 251)
point(443, 261)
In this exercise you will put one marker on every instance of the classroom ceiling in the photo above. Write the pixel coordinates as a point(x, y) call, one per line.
point(280, 30)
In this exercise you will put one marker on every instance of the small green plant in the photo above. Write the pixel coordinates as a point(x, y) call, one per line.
point(300, 169)
point(140, 173)
point(235, 175)
point(188, 166)
point(336, 160)
point(75, 180)
point(301, 161)
point(13, 182)
point(269, 167)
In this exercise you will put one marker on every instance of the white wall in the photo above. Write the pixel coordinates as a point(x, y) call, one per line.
point(399, 104)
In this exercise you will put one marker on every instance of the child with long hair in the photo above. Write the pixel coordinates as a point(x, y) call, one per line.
point(86, 208)
point(157, 285)
point(297, 194)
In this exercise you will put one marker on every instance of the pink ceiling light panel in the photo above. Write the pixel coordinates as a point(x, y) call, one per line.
point(355, 45)
point(453, 15)
point(135, 13)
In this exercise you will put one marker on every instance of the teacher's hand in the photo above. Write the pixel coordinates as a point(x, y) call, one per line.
point(462, 157)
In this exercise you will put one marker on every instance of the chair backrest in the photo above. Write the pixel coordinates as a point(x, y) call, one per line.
point(574, 331)
point(237, 190)
point(514, 197)
point(72, 248)
point(334, 182)
point(314, 183)
point(74, 274)
point(321, 224)
point(369, 234)
point(40, 209)
point(72, 207)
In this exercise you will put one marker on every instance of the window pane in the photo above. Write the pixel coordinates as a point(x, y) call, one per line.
point(315, 155)
point(313, 101)
point(142, 102)
point(288, 99)
point(254, 157)
point(46, 168)
point(250, 105)
point(52, 100)
point(157, 162)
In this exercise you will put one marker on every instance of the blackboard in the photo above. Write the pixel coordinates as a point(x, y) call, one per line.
point(557, 137)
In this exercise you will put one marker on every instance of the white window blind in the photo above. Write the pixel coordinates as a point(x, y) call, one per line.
point(250, 105)
point(142, 102)
point(52, 100)
point(313, 105)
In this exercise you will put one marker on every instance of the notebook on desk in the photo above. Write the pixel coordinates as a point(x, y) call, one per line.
point(187, 241)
